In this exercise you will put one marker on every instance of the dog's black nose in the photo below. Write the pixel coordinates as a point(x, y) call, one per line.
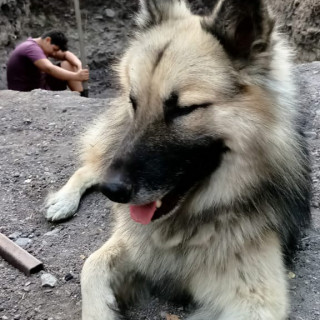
point(117, 191)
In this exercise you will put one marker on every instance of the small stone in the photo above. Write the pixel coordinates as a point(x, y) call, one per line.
point(23, 242)
point(4, 318)
point(291, 275)
point(53, 232)
point(68, 277)
point(15, 235)
point(311, 135)
point(37, 233)
point(110, 13)
point(37, 309)
point(48, 280)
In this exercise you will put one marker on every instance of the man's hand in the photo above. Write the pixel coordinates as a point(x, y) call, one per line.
point(83, 75)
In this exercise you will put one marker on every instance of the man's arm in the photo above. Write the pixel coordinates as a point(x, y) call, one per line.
point(69, 56)
point(46, 66)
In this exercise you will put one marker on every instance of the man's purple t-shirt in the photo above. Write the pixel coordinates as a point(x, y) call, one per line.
point(22, 74)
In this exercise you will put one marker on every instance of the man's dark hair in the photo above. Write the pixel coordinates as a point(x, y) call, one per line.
point(57, 38)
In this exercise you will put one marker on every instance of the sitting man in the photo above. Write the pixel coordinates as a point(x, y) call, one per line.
point(29, 68)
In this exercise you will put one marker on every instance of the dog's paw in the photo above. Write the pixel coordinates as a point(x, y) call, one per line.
point(61, 205)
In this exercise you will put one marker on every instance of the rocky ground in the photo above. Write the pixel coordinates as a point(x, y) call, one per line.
point(38, 145)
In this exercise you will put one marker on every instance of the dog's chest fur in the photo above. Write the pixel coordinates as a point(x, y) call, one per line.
point(176, 248)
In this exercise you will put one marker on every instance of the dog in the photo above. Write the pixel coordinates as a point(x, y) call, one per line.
point(205, 160)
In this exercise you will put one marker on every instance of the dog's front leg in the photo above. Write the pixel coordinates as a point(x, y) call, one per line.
point(64, 203)
point(251, 285)
point(104, 270)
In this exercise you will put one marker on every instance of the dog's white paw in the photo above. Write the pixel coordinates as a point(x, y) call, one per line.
point(61, 205)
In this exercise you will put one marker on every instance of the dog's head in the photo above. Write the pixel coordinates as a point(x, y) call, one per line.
point(198, 113)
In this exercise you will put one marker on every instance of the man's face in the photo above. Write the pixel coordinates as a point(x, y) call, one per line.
point(50, 49)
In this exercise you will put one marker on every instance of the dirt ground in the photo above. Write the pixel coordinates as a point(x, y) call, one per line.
point(38, 135)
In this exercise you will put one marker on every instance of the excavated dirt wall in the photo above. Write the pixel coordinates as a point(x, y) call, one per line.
point(107, 25)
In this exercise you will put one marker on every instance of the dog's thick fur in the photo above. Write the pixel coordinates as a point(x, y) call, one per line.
point(207, 123)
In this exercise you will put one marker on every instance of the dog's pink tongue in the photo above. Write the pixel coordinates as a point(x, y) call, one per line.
point(144, 213)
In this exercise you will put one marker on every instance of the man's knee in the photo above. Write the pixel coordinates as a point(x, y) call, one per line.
point(73, 85)
point(67, 66)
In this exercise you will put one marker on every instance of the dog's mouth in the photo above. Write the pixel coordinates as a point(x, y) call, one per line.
point(196, 168)
point(146, 213)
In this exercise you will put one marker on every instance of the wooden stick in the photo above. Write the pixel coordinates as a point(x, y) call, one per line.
point(85, 92)
point(18, 257)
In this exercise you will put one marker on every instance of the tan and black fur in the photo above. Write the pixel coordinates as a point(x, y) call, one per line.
point(207, 122)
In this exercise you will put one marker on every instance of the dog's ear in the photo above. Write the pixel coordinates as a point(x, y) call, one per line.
point(243, 27)
point(154, 12)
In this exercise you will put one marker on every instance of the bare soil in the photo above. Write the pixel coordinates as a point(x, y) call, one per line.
point(38, 135)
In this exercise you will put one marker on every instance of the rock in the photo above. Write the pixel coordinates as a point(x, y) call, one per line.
point(68, 277)
point(48, 280)
point(311, 134)
point(37, 233)
point(15, 235)
point(23, 242)
point(110, 13)
point(53, 232)
point(27, 121)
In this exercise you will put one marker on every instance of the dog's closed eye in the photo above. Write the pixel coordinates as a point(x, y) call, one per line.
point(172, 109)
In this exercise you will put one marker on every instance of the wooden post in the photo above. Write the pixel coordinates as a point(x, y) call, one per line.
point(85, 92)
